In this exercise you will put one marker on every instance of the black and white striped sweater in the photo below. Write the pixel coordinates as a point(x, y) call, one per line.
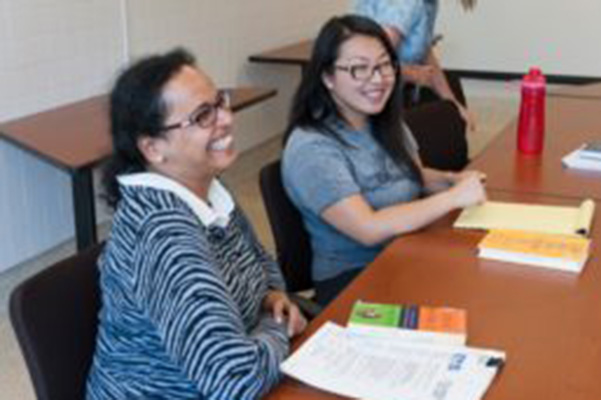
point(181, 310)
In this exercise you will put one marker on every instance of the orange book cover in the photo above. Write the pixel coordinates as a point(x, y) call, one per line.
point(548, 250)
point(443, 319)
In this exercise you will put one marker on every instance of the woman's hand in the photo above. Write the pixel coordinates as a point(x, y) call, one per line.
point(468, 189)
point(284, 310)
point(421, 75)
point(455, 177)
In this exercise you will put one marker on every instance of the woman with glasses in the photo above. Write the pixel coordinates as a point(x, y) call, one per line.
point(192, 305)
point(350, 165)
point(410, 26)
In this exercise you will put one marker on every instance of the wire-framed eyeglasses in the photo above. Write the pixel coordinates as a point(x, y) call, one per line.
point(205, 115)
point(364, 72)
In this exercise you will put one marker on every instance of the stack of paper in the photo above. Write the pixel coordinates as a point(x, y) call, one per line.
point(368, 367)
point(587, 157)
point(529, 217)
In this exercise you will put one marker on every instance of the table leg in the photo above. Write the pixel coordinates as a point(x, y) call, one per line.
point(83, 205)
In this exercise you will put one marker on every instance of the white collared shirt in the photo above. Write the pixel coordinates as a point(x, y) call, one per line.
point(217, 212)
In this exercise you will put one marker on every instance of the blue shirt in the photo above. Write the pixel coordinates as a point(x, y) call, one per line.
point(415, 19)
point(319, 171)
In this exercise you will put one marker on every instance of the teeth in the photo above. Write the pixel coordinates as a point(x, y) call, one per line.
point(221, 144)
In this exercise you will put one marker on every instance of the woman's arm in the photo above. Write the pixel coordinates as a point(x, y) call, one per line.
point(276, 301)
point(436, 180)
point(356, 218)
point(440, 84)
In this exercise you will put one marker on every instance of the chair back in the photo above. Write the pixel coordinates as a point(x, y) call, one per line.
point(293, 246)
point(439, 131)
point(55, 318)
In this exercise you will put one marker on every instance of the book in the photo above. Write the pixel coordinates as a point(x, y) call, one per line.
point(566, 253)
point(587, 157)
point(575, 221)
point(366, 367)
point(426, 324)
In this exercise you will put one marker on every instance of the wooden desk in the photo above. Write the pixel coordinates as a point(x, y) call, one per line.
point(548, 322)
point(76, 138)
point(589, 91)
point(569, 123)
point(293, 54)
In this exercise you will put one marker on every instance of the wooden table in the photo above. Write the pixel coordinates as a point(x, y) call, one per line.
point(293, 54)
point(589, 91)
point(548, 322)
point(75, 138)
point(569, 123)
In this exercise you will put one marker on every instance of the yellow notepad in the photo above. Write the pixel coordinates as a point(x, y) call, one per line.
point(529, 217)
point(567, 253)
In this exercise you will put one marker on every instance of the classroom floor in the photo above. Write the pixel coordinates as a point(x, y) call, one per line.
point(493, 113)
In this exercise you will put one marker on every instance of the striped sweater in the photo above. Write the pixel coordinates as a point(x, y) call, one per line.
point(181, 313)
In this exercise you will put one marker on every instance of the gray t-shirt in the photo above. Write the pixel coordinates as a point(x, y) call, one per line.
point(319, 171)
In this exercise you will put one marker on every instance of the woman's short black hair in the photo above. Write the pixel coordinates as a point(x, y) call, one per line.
point(313, 106)
point(137, 109)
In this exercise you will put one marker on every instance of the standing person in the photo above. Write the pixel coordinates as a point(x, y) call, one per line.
point(410, 26)
point(350, 164)
point(192, 306)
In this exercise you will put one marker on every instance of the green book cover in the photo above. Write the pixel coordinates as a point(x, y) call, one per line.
point(387, 315)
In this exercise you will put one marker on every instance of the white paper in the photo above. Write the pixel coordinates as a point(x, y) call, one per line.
point(577, 160)
point(361, 366)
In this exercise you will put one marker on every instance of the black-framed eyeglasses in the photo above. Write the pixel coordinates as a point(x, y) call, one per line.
point(206, 114)
point(364, 72)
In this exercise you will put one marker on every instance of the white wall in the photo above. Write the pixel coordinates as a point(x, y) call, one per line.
point(510, 35)
point(56, 51)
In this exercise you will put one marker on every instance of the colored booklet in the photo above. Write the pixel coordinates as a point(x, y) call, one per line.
point(587, 157)
point(566, 253)
point(425, 324)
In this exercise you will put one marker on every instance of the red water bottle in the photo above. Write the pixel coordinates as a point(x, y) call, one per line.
point(531, 124)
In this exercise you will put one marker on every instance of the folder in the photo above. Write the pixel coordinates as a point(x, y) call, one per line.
point(574, 221)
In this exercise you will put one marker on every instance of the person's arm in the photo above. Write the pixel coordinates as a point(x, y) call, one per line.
point(440, 84)
point(356, 218)
point(276, 301)
point(436, 180)
point(421, 75)
point(185, 297)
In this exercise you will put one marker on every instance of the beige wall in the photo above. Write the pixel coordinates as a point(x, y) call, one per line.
point(560, 36)
point(57, 51)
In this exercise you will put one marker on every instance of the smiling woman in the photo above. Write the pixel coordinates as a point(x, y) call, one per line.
point(192, 305)
point(350, 165)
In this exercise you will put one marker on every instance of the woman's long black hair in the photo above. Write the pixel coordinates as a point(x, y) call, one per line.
point(313, 106)
point(137, 109)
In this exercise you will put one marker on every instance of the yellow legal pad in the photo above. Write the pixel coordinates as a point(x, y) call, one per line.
point(529, 217)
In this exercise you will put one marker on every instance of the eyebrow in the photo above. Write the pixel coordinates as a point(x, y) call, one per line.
point(203, 106)
point(366, 59)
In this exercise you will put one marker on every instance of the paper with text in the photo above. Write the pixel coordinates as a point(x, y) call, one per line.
point(367, 367)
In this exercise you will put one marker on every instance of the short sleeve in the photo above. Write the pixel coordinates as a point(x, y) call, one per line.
point(316, 172)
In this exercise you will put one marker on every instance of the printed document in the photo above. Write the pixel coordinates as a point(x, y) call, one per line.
point(374, 368)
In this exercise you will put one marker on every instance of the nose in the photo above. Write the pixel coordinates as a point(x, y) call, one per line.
point(376, 75)
point(225, 117)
